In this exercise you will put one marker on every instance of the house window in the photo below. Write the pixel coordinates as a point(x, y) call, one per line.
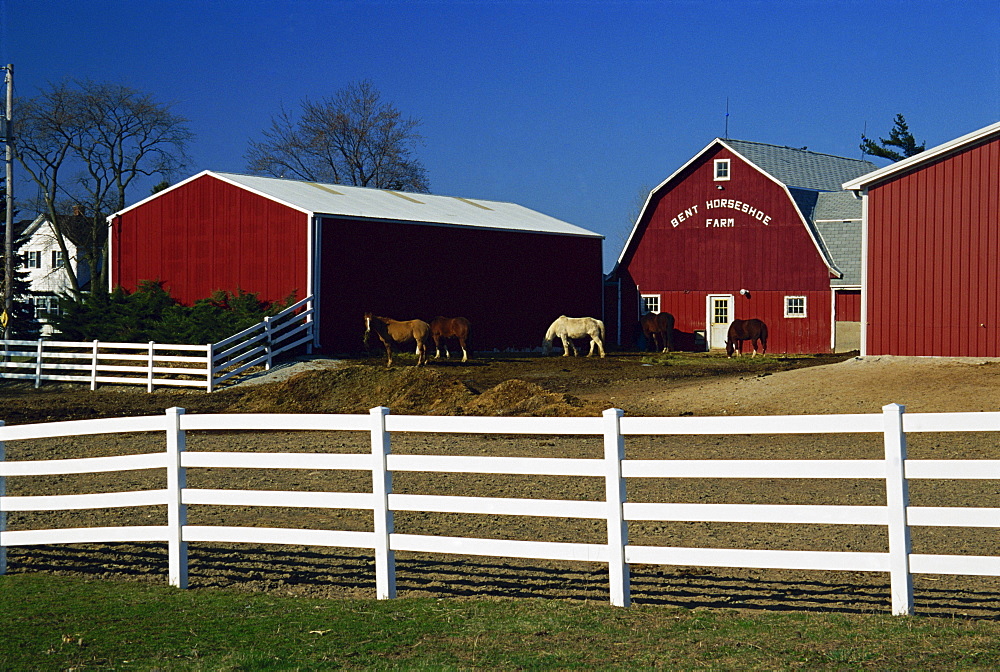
point(650, 303)
point(721, 170)
point(795, 306)
point(44, 305)
point(57, 259)
point(33, 259)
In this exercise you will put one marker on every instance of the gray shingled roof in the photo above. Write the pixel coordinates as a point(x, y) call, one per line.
point(801, 168)
point(837, 218)
point(814, 181)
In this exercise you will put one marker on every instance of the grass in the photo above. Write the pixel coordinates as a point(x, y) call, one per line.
point(718, 363)
point(63, 623)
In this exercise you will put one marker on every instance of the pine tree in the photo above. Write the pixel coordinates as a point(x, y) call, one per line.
point(899, 137)
point(22, 318)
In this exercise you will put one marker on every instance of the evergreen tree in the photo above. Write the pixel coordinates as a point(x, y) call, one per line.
point(151, 314)
point(899, 137)
point(22, 321)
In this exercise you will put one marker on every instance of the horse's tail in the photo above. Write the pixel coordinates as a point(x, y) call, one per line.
point(600, 329)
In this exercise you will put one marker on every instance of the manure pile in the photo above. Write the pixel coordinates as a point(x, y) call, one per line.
point(406, 390)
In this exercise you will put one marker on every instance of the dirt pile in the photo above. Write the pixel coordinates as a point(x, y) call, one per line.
point(517, 397)
point(406, 390)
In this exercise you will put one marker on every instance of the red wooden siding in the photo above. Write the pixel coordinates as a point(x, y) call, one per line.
point(209, 235)
point(848, 305)
point(510, 285)
point(934, 258)
point(785, 334)
point(687, 259)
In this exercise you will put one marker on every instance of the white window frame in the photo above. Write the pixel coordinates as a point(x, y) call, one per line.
point(793, 311)
point(646, 303)
point(33, 259)
point(57, 259)
point(722, 170)
point(44, 305)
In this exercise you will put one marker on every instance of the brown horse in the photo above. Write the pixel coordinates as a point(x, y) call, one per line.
point(443, 328)
point(658, 328)
point(746, 330)
point(392, 331)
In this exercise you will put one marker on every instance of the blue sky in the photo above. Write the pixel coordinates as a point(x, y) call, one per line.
point(573, 108)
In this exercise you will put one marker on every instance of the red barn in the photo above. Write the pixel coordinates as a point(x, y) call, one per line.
point(747, 230)
point(932, 235)
point(509, 269)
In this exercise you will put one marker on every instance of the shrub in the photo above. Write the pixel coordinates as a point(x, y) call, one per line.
point(151, 314)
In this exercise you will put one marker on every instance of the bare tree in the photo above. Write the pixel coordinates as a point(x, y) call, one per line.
point(84, 144)
point(353, 138)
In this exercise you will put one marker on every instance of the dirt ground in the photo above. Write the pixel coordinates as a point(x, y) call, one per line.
point(528, 384)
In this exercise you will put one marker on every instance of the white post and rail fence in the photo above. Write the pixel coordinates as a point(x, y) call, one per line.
point(895, 470)
point(158, 364)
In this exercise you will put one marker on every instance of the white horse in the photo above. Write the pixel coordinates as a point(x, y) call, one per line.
point(568, 328)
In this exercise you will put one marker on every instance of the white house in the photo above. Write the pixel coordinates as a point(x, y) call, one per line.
point(45, 266)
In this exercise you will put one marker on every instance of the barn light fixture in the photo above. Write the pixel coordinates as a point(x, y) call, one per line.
point(744, 292)
point(719, 187)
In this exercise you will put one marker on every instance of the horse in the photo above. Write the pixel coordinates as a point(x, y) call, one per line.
point(746, 330)
point(443, 328)
point(568, 328)
point(392, 331)
point(658, 328)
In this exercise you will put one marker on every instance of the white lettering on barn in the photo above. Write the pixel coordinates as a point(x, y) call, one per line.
point(686, 214)
point(733, 204)
point(728, 203)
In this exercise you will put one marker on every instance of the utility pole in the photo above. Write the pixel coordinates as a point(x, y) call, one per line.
point(8, 138)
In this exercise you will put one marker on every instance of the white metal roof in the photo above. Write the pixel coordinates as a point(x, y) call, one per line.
point(359, 202)
point(927, 155)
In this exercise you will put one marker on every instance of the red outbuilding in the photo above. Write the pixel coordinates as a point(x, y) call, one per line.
point(932, 257)
point(509, 269)
point(747, 230)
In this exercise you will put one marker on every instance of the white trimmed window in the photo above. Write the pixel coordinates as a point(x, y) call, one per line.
point(795, 306)
point(650, 303)
point(57, 259)
point(44, 305)
point(721, 170)
point(33, 259)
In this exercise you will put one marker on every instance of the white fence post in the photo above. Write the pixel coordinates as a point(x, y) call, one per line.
point(267, 341)
point(3, 514)
point(614, 495)
point(210, 352)
point(149, 375)
point(312, 328)
point(177, 560)
point(897, 499)
point(93, 366)
point(385, 558)
point(38, 364)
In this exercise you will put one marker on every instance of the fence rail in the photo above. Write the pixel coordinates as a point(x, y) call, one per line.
point(895, 470)
point(158, 364)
